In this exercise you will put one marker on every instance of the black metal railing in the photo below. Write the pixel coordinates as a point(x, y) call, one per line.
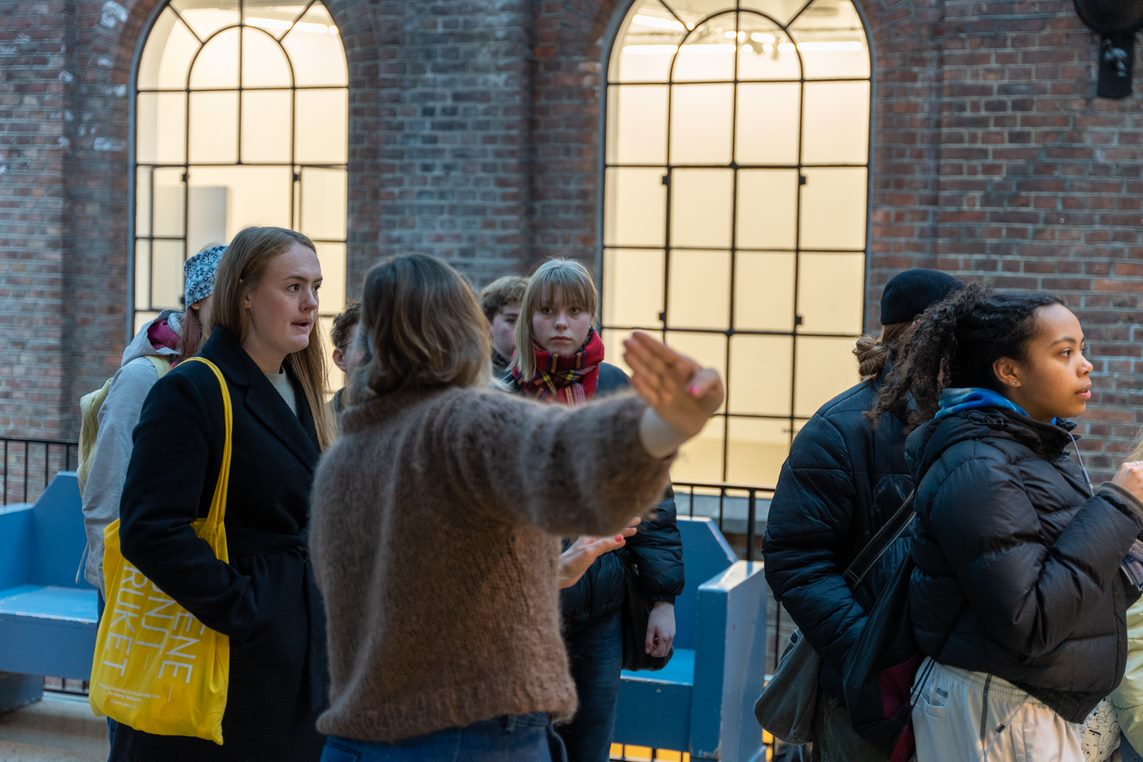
point(29, 465)
point(735, 509)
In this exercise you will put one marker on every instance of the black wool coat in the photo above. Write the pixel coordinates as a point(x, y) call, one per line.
point(264, 599)
point(842, 481)
point(1018, 559)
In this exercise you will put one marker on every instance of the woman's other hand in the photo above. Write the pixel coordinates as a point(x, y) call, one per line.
point(581, 554)
point(661, 629)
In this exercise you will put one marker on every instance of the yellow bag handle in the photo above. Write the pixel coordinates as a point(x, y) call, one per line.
point(218, 503)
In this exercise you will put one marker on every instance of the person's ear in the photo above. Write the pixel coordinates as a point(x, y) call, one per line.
point(1009, 372)
point(339, 358)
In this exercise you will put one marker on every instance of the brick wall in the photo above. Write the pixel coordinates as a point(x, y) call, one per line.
point(475, 135)
point(442, 157)
point(1039, 187)
point(34, 90)
point(96, 243)
point(991, 158)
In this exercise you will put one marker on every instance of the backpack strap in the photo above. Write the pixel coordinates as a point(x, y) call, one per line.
point(881, 541)
point(162, 364)
point(89, 405)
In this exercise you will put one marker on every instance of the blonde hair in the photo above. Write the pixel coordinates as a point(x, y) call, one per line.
point(557, 281)
point(239, 272)
point(1137, 453)
point(422, 328)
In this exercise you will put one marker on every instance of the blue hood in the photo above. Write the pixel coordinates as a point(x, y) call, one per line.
point(973, 398)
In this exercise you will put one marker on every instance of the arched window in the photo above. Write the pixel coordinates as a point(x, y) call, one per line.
point(735, 205)
point(241, 112)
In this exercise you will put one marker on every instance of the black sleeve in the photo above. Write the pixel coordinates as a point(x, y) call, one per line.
point(1028, 593)
point(172, 474)
point(807, 531)
point(657, 549)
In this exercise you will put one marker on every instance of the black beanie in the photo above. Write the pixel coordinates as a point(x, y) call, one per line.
point(910, 292)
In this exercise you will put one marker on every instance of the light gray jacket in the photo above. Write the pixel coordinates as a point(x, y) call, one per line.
point(117, 418)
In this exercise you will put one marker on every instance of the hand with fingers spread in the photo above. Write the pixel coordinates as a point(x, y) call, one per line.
point(682, 394)
point(581, 554)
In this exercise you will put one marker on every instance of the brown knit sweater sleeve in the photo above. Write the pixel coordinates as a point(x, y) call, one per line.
point(565, 470)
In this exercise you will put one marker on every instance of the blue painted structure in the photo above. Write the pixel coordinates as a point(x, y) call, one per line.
point(47, 619)
point(702, 701)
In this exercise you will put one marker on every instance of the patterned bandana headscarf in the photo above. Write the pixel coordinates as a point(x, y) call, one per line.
point(568, 380)
point(198, 272)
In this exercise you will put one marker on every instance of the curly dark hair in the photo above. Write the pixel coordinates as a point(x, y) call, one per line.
point(956, 345)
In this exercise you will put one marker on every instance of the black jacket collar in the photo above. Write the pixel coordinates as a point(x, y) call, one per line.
point(933, 437)
point(262, 400)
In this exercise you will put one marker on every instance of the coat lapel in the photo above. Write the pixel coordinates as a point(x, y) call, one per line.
point(266, 404)
point(262, 400)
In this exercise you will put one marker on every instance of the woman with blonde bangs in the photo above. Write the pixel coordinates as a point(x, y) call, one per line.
point(577, 351)
point(262, 338)
point(560, 359)
point(436, 523)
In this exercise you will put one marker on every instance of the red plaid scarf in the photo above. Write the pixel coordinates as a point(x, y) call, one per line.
point(569, 380)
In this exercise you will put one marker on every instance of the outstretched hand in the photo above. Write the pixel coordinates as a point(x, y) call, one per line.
point(581, 554)
point(682, 392)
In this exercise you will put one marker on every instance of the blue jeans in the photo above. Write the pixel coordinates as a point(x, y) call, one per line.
point(1128, 751)
point(525, 737)
point(100, 605)
point(595, 650)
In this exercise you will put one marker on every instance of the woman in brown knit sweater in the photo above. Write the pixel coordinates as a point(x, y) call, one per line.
point(436, 524)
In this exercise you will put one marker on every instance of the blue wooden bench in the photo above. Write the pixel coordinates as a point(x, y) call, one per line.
point(702, 701)
point(47, 619)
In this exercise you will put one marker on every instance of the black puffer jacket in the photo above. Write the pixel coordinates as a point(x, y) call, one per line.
point(844, 478)
point(656, 549)
point(1018, 564)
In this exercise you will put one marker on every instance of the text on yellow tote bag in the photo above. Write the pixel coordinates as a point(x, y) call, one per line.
point(157, 669)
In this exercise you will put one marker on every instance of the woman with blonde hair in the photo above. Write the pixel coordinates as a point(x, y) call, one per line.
point(263, 340)
point(436, 522)
point(559, 359)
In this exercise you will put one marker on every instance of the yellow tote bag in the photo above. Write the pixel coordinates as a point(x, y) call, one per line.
point(158, 669)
